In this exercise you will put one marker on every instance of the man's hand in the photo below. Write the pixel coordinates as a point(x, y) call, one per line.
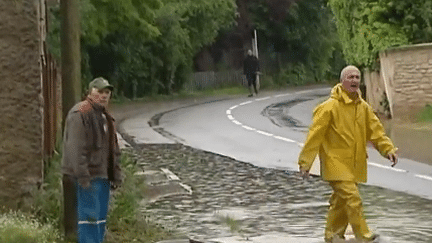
point(393, 158)
point(84, 183)
point(304, 173)
point(115, 185)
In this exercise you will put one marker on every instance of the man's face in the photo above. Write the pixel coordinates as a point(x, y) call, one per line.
point(100, 96)
point(351, 81)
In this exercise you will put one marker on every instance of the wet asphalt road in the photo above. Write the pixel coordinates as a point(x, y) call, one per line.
point(268, 131)
point(233, 198)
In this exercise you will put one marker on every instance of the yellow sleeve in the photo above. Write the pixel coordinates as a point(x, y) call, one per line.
point(315, 137)
point(376, 134)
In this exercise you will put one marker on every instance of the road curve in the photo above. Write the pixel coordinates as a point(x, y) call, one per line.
point(239, 128)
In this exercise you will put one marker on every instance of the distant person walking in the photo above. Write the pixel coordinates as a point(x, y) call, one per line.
point(90, 163)
point(341, 127)
point(250, 70)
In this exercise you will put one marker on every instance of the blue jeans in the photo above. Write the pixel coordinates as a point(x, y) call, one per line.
point(92, 210)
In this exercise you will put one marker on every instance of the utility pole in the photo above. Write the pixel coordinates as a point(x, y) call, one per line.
point(70, 55)
point(71, 94)
point(255, 52)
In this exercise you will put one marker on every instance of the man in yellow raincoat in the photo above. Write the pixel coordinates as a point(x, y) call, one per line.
point(341, 128)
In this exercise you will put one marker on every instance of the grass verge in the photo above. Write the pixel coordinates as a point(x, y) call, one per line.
point(125, 222)
point(425, 114)
point(231, 90)
point(18, 227)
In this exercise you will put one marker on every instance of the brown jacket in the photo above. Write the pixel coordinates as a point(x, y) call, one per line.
point(86, 144)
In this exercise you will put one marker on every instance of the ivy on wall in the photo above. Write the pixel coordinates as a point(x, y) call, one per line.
point(366, 27)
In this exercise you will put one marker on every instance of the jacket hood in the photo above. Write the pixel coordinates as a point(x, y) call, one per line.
point(339, 93)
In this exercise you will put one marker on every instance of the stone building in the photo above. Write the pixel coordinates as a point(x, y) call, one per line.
point(23, 119)
point(405, 77)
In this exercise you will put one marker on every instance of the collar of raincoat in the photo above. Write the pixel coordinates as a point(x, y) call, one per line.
point(339, 93)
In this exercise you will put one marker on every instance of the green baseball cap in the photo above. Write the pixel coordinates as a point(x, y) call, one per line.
point(100, 83)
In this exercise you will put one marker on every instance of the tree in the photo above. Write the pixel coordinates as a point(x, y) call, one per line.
point(366, 27)
point(303, 43)
point(147, 46)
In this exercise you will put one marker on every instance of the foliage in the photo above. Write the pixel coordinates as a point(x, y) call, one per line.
point(304, 45)
point(366, 27)
point(125, 222)
point(16, 227)
point(48, 198)
point(145, 47)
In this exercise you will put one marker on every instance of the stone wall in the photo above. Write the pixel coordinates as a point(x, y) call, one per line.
point(374, 89)
point(406, 77)
point(20, 101)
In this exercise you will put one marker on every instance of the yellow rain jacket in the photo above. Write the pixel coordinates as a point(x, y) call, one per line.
point(340, 130)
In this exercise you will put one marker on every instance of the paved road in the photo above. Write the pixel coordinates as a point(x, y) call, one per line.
point(239, 128)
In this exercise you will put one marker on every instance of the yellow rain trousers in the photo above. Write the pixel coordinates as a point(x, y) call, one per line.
point(341, 128)
point(346, 207)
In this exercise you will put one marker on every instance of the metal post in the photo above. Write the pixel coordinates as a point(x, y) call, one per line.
point(255, 52)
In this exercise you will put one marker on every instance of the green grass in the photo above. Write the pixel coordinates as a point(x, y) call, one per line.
point(231, 90)
point(18, 227)
point(125, 222)
point(233, 224)
point(425, 114)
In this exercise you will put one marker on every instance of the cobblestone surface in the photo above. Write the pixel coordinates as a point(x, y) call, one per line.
point(235, 198)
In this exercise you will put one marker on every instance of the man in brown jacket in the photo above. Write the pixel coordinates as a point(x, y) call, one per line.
point(90, 163)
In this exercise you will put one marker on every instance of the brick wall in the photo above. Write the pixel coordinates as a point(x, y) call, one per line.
point(20, 101)
point(406, 76)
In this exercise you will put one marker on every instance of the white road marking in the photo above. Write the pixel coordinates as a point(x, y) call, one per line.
point(171, 176)
point(232, 108)
point(248, 128)
point(423, 177)
point(245, 103)
point(228, 112)
point(187, 188)
point(277, 96)
point(231, 117)
point(387, 167)
point(284, 139)
point(237, 122)
point(265, 98)
point(264, 133)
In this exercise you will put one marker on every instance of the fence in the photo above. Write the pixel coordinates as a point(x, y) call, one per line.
point(211, 79)
point(51, 104)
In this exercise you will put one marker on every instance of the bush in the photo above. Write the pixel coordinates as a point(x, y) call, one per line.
point(296, 75)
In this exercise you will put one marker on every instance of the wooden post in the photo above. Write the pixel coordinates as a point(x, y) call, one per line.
point(71, 94)
point(70, 55)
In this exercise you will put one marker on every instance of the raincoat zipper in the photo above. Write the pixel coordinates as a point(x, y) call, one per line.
point(355, 142)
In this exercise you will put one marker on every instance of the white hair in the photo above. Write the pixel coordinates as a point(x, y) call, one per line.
point(348, 68)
